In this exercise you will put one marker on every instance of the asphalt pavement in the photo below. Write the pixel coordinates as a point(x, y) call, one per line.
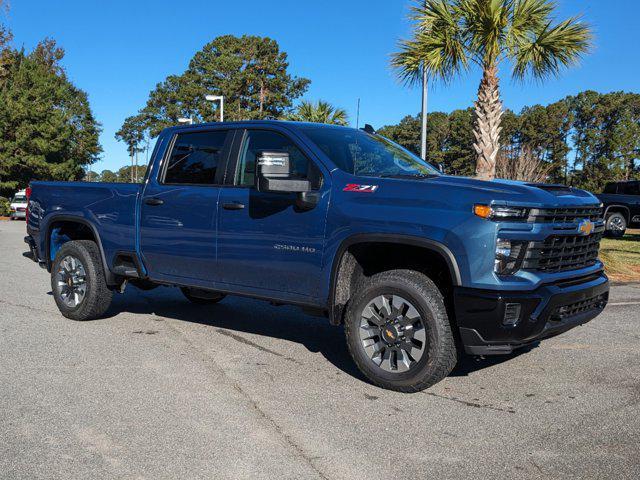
point(162, 389)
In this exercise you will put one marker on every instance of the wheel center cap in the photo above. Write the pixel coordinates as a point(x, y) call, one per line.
point(390, 334)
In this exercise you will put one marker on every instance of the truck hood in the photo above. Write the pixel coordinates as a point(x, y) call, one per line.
point(510, 192)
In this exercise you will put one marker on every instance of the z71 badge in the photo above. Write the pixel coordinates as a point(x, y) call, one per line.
point(354, 187)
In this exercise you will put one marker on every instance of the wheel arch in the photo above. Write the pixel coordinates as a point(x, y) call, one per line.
point(345, 267)
point(616, 208)
point(61, 221)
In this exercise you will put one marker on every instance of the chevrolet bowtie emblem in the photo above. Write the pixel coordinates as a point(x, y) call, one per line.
point(585, 227)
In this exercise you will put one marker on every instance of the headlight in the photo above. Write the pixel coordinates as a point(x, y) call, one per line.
point(505, 214)
point(509, 256)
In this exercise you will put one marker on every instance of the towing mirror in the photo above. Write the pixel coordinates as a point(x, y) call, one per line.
point(273, 173)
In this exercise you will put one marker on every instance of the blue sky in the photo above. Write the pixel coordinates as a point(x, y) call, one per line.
point(118, 50)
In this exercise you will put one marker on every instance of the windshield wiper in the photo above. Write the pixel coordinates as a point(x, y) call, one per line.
point(420, 176)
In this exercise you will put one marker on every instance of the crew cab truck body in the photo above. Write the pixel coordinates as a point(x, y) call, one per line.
point(418, 266)
point(621, 201)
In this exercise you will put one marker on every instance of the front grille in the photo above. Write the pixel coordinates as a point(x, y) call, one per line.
point(564, 215)
point(573, 309)
point(559, 253)
point(21, 209)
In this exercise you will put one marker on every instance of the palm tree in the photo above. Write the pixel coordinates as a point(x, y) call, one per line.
point(320, 112)
point(451, 35)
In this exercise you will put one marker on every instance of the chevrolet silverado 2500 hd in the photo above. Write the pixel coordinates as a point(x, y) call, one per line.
point(417, 265)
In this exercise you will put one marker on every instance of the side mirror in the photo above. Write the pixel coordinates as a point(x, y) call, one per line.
point(273, 173)
point(440, 167)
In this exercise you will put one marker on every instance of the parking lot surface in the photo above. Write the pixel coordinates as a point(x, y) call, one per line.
point(166, 389)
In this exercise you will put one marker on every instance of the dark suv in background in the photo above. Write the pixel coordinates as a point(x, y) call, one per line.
point(621, 202)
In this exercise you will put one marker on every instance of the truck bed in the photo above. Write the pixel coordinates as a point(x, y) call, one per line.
point(108, 208)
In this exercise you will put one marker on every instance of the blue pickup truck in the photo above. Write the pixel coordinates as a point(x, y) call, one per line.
point(418, 266)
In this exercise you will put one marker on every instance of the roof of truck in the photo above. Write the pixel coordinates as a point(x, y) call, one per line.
point(286, 123)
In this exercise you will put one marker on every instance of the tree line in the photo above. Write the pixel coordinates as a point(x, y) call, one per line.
point(250, 72)
point(126, 174)
point(584, 140)
point(47, 129)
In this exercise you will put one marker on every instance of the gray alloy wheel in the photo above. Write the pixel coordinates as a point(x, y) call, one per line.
point(398, 331)
point(616, 225)
point(78, 281)
point(392, 333)
point(71, 281)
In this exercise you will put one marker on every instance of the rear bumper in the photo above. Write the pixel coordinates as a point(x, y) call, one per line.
point(545, 312)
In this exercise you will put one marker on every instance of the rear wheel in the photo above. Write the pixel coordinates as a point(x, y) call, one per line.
point(78, 281)
point(616, 225)
point(398, 332)
point(201, 297)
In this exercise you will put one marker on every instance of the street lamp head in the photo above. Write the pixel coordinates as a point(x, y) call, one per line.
point(213, 98)
point(185, 120)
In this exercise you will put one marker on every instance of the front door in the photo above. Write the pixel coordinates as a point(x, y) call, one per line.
point(265, 242)
point(179, 209)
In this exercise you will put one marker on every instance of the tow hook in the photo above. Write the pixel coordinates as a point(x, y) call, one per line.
point(123, 286)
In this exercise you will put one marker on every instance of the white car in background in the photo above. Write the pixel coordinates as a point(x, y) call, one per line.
point(19, 205)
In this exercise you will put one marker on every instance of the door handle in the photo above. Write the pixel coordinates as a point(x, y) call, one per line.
point(154, 202)
point(233, 206)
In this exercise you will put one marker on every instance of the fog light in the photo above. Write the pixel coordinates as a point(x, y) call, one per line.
point(509, 256)
point(511, 314)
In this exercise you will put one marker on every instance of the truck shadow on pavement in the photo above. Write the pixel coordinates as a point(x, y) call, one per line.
point(235, 316)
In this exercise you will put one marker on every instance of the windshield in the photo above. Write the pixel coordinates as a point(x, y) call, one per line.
point(19, 199)
point(361, 153)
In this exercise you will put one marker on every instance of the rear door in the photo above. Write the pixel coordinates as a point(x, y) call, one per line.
point(631, 191)
point(265, 242)
point(179, 208)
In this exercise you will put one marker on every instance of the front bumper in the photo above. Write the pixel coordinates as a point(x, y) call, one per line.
point(545, 312)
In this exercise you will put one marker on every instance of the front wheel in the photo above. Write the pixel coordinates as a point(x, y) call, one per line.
point(78, 281)
point(398, 331)
point(616, 225)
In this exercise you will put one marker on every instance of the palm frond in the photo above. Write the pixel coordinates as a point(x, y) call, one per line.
point(527, 16)
point(320, 112)
point(436, 46)
point(552, 48)
point(485, 26)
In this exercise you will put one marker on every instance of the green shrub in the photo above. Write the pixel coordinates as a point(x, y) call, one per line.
point(5, 207)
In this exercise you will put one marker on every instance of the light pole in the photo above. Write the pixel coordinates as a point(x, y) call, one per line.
point(215, 98)
point(425, 92)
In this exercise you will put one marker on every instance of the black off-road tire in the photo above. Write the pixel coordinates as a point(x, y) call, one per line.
point(620, 222)
point(440, 356)
point(202, 297)
point(98, 296)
